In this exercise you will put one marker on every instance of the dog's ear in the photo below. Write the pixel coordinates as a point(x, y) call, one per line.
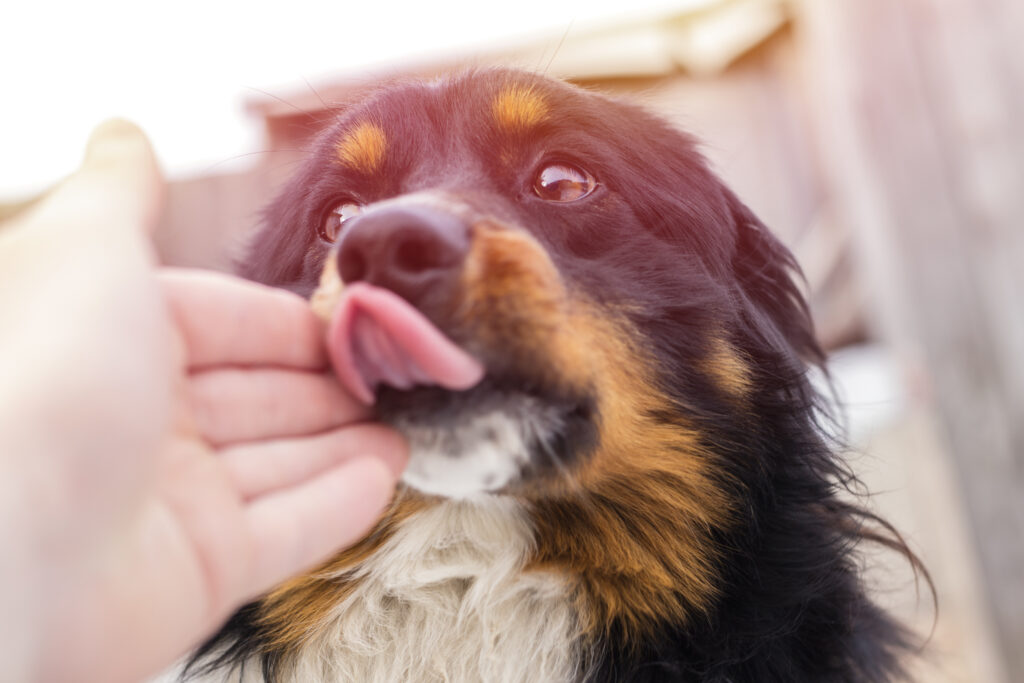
point(769, 281)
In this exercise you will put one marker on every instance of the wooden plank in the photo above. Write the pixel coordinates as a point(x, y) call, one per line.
point(919, 107)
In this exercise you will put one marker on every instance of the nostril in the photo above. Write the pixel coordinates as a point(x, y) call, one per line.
point(352, 265)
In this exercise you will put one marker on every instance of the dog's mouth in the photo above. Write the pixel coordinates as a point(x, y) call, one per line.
point(485, 386)
point(377, 338)
point(471, 431)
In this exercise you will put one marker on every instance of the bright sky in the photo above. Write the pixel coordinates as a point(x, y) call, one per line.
point(182, 70)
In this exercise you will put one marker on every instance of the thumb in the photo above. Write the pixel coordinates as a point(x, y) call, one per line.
point(118, 187)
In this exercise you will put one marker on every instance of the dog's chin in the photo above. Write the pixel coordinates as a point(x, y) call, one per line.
point(475, 443)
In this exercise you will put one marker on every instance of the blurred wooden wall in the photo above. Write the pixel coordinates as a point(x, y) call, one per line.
point(920, 107)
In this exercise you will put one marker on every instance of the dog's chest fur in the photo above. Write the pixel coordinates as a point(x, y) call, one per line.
point(445, 599)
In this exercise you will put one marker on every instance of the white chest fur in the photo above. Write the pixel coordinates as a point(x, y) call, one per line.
point(444, 600)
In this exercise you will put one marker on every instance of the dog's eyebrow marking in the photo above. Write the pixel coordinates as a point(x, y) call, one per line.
point(726, 366)
point(363, 147)
point(519, 107)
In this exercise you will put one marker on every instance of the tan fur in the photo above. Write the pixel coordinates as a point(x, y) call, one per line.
point(518, 108)
point(660, 474)
point(325, 299)
point(727, 368)
point(511, 295)
point(362, 148)
point(656, 473)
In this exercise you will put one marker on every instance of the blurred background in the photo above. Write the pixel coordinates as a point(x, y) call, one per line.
point(881, 139)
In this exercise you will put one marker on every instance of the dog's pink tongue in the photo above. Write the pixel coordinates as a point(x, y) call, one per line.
point(376, 337)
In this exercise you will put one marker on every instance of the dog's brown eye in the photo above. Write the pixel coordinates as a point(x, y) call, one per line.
point(563, 183)
point(331, 227)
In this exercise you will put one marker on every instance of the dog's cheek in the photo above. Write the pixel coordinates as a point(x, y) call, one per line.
point(516, 311)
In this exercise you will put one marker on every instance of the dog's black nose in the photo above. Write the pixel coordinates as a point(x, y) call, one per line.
point(409, 250)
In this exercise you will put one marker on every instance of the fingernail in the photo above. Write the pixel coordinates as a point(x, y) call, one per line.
point(113, 139)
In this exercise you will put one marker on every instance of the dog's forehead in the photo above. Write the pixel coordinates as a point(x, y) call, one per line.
point(439, 120)
point(508, 102)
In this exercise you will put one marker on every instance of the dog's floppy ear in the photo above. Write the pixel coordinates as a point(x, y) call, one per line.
point(768, 277)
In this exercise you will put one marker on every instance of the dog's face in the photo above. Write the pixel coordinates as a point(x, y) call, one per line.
point(580, 329)
point(576, 247)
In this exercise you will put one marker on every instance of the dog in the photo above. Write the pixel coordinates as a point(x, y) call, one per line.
point(599, 356)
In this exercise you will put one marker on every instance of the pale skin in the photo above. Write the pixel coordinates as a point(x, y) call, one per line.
point(172, 443)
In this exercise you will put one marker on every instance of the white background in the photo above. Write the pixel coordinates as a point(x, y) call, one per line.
point(182, 70)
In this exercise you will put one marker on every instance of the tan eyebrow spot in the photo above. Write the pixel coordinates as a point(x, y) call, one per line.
point(725, 364)
point(363, 147)
point(518, 107)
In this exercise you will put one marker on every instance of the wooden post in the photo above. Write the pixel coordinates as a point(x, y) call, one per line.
point(920, 107)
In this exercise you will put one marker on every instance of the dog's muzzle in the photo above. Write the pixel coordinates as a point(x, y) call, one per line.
point(400, 266)
point(457, 326)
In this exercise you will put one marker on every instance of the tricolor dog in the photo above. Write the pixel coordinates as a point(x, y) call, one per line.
point(599, 357)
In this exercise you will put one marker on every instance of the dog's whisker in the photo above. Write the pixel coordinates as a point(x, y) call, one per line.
point(309, 85)
point(558, 47)
point(257, 153)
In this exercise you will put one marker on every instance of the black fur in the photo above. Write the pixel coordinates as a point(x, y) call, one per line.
point(663, 234)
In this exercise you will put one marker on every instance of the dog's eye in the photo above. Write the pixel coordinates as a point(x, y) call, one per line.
point(331, 226)
point(563, 183)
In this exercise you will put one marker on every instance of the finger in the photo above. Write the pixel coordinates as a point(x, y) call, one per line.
point(263, 467)
point(225, 320)
point(239, 405)
point(295, 528)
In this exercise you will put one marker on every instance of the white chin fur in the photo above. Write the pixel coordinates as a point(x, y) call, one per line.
point(445, 600)
point(485, 454)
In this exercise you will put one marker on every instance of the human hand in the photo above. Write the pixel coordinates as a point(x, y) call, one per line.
point(169, 445)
